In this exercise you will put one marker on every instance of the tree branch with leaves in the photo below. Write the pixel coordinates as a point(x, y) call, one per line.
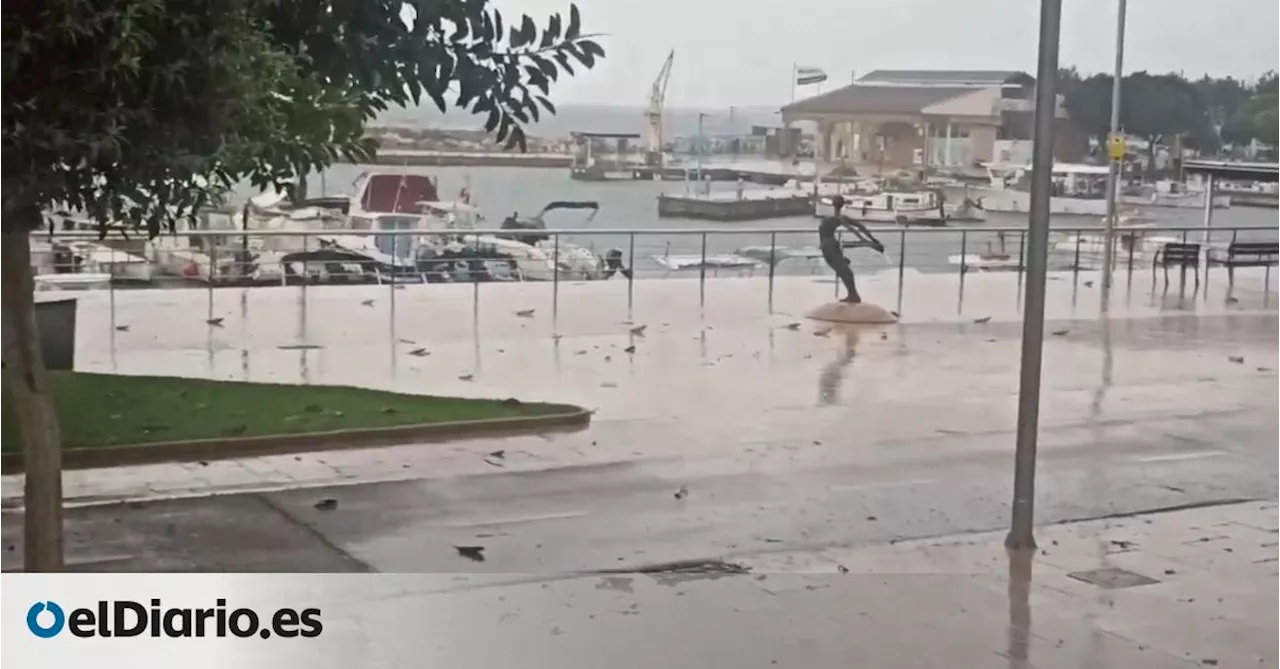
point(140, 112)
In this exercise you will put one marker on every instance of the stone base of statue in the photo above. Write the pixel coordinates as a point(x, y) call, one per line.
point(845, 312)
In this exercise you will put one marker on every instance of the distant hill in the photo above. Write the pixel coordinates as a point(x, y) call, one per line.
point(594, 118)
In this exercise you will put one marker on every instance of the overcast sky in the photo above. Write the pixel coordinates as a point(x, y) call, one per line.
point(740, 52)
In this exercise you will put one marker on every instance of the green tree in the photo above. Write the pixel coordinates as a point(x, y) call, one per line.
point(1157, 107)
point(1088, 103)
point(1264, 113)
point(1223, 98)
point(138, 112)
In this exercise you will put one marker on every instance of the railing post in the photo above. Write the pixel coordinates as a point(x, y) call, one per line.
point(1022, 256)
point(1075, 264)
point(902, 265)
point(702, 275)
point(773, 261)
point(111, 293)
point(631, 275)
point(306, 277)
point(395, 257)
point(964, 263)
point(555, 277)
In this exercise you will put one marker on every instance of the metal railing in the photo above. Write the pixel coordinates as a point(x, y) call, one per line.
point(215, 259)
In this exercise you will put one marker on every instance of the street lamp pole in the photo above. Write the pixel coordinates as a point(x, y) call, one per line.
point(1113, 176)
point(1021, 534)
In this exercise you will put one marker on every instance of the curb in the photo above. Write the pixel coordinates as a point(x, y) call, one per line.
point(565, 419)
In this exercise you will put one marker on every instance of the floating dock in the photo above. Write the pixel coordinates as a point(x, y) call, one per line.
point(416, 158)
point(1259, 200)
point(732, 206)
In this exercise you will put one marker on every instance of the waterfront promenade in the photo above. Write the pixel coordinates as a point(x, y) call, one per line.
point(729, 433)
point(711, 374)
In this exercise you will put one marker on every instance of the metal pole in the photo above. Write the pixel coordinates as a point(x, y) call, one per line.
point(1113, 176)
point(1022, 525)
point(1208, 209)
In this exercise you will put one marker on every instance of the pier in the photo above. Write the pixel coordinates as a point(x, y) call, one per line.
point(734, 206)
point(419, 158)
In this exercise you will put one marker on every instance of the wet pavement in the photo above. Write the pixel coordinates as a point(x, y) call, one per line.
point(1193, 588)
point(725, 432)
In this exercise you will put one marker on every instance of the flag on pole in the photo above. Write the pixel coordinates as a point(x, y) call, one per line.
point(810, 75)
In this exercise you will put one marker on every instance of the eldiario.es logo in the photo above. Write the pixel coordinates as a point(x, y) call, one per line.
point(126, 618)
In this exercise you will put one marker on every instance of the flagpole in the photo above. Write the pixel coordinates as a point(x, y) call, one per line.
point(794, 70)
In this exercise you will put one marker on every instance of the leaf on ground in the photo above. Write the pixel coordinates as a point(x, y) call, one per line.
point(327, 504)
point(473, 553)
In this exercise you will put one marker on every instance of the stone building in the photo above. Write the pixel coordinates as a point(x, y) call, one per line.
point(939, 118)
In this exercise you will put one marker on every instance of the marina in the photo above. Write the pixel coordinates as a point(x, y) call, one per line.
point(604, 231)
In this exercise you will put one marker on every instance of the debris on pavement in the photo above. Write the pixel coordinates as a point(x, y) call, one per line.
point(499, 454)
point(638, 330)
point(466, 377)
point(1060, 333)
point(122, 328)
point(525, 313)
point(791, 326)
point(419, 352)
point(984, 319)
point(326, 504)
point(682, 493)
point(1238, 359)
point(473, 553)
point(367, 303)
point(214, 322)
point(629, 349)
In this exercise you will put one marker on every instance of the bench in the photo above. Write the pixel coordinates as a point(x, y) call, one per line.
point(1176, 254)
point(1248, 254)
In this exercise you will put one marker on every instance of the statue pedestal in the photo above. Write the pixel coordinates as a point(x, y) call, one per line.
point(844, 312)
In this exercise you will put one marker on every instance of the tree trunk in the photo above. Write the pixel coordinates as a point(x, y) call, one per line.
point(27, 382)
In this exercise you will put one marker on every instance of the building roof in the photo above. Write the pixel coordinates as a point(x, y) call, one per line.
point(859, 99)
point(1226, 169)
point(960, 78)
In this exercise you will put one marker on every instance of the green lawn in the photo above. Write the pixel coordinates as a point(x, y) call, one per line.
point(110, 410)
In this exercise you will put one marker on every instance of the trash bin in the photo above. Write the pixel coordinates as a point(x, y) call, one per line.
point(56, 323)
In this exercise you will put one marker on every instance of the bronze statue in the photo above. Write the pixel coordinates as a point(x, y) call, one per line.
point(833, 250)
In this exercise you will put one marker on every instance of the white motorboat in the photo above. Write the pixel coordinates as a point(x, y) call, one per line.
point(1133, 244)
point(117, 257)
point(67, 258)
point(715, 262)
point(1171, 194)
point(1078, 190)
point(923, 207)
point(403, 202)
